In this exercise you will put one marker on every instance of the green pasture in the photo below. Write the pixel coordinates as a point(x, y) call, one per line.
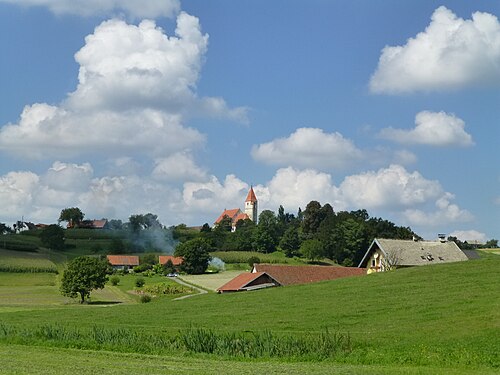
point(422, 320)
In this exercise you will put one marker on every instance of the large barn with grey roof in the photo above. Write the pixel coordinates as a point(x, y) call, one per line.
point(384, 254)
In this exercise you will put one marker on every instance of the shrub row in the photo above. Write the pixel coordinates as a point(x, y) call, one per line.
point(18, 246)
point(194, 340)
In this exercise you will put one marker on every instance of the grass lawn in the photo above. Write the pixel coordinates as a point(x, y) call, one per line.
point(211, 281)
point(19, 291)
point(17, 359)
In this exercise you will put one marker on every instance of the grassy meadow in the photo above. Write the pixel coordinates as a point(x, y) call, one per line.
point(424, 320)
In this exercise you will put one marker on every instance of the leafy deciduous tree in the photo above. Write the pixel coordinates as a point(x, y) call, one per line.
point(196, 255)
point(312, 249)
point(73, 215)
point(52, 237)
point(83, 275)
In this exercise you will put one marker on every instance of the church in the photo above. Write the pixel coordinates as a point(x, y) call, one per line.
point(235, 214)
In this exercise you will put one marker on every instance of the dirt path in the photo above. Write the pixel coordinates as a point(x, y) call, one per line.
point(182, 282)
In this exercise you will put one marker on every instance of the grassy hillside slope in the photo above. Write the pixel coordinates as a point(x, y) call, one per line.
point(444, 315)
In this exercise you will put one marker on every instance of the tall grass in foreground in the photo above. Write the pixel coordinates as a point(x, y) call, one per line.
point(264, 344)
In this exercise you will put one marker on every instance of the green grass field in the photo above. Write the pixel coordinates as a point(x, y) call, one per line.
point(441, 319)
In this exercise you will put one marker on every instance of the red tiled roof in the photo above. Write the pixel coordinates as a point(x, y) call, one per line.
point(241, 216)
point(242, 281)
point(232, 213)
point(289, 275)
point(123, 260)
point(176, 261)
point(251, 196)
point(99, 224)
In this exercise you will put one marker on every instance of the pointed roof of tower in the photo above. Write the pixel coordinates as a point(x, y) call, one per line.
point(251, 196)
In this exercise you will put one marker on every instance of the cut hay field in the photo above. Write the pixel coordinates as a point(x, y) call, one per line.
point(441, 319)
point(211, 281)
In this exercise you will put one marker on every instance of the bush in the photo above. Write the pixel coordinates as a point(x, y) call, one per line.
point(139, 282)
point(253, 260)
point(115, 280)
point(145, 298)
point(142, 268)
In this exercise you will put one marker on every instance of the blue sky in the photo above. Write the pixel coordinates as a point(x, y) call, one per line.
point(176, 108)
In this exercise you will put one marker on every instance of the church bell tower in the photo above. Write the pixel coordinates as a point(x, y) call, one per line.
point(251, 205)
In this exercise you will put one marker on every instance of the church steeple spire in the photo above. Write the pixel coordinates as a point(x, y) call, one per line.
point(251, 205)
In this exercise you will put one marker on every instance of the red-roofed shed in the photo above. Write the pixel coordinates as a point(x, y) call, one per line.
point(248, 281)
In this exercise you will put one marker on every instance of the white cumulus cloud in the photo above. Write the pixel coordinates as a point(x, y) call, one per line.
point(136, 85)
point(432, 128)
point(132, 8)
point(178, 167)
point(445, 213)
point(469, 235)
point(308, 148)
point(450, 53)
point(388, 188)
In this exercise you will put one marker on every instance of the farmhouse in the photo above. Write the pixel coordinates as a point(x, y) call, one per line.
point(248, 281)
point(385, 254)
point(123, 262)
point(176, 261)
point(235, 214)
point(89, 224)
point(291, 275)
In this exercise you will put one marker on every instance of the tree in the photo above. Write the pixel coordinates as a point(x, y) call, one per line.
point(196, 255)
point(290, 242)
point(391, 260)
point(4, 228)
point(491, 244)
point(115, 224)
point(312, 218)
point(53, 237)
point(312, 249)
point(267, 233)
point(73, 215)
point(83, 275)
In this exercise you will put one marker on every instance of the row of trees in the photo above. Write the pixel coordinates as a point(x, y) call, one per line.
point(317, 232)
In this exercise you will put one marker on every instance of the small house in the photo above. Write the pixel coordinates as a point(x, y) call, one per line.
point(176, 261)
point(123, 262)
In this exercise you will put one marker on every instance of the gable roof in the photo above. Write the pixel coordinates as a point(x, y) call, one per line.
point(290, 275)
point(240, 216)
point(416, 253)
point(251, 196)
point(232, 213)
point(249, 281)
point(123, 260)
point(176, 261)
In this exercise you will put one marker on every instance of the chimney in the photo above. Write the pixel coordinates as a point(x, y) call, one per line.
point(442, 237)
